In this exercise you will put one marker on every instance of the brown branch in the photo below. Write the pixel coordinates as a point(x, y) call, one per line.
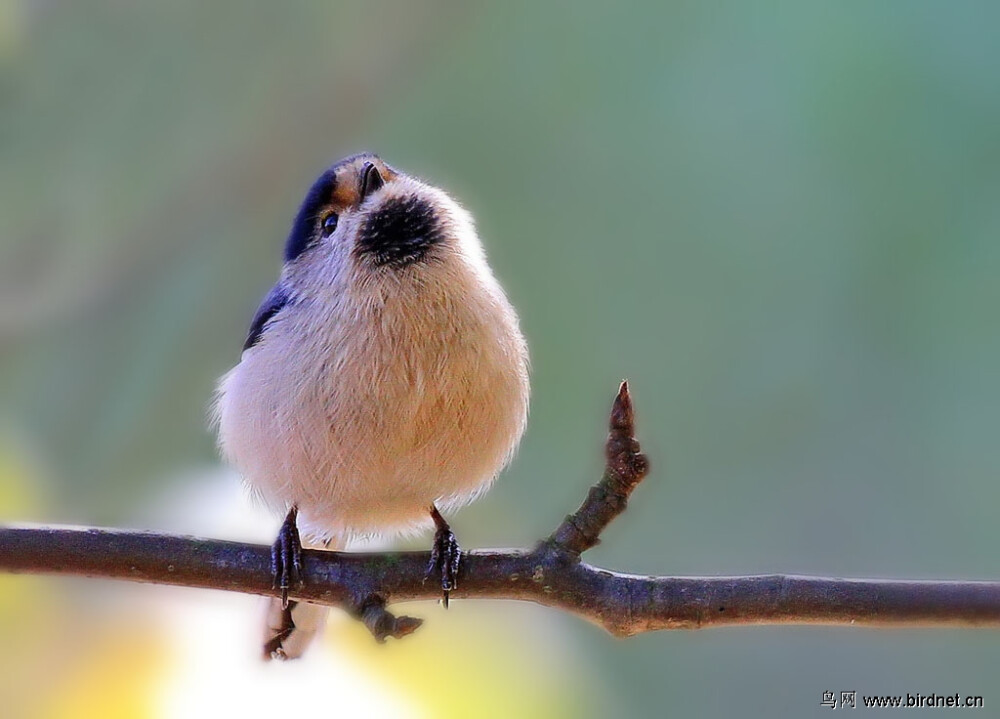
point(551, 574)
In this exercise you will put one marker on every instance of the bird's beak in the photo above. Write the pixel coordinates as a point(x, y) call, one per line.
point(371, 180)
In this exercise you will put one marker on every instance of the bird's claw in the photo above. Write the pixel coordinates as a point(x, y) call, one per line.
point(445, 556)
point(286, 557)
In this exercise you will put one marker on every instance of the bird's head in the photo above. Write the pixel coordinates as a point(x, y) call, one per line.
point(366, 224)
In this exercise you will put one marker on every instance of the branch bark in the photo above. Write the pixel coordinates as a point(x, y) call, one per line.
point(551, 574)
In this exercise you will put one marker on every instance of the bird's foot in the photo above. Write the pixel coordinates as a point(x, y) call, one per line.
point(445, 556)
point(286, 557)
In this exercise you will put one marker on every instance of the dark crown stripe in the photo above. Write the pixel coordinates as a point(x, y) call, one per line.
point(303, 232)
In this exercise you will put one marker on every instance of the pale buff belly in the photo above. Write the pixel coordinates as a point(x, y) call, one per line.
point(364, 446)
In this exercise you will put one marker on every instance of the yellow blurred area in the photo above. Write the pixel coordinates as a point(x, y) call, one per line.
point(468, 665)
point(117, 679)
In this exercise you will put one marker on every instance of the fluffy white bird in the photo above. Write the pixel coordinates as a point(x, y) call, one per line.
point(383, 378)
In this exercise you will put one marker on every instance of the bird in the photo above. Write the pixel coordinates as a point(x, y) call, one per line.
point(383, 381)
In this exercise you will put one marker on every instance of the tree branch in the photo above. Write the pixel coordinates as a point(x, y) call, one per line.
point(551, 574)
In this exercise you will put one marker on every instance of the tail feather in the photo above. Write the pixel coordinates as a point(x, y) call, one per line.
point(288, 631)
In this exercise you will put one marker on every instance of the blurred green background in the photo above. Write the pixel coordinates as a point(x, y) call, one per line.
point(780, 221)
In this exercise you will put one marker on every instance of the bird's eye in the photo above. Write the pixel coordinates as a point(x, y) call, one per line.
point(329, 224)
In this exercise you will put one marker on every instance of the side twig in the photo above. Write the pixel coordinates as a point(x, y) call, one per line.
point(551, 574)
point(626, 467)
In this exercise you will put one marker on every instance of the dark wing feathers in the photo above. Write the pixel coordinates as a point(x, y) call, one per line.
point(277, 298)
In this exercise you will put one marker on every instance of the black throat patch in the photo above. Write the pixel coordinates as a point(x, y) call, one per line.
point(400, 232)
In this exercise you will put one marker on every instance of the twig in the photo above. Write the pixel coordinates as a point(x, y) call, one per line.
point(551, 574)
point(626, 466)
